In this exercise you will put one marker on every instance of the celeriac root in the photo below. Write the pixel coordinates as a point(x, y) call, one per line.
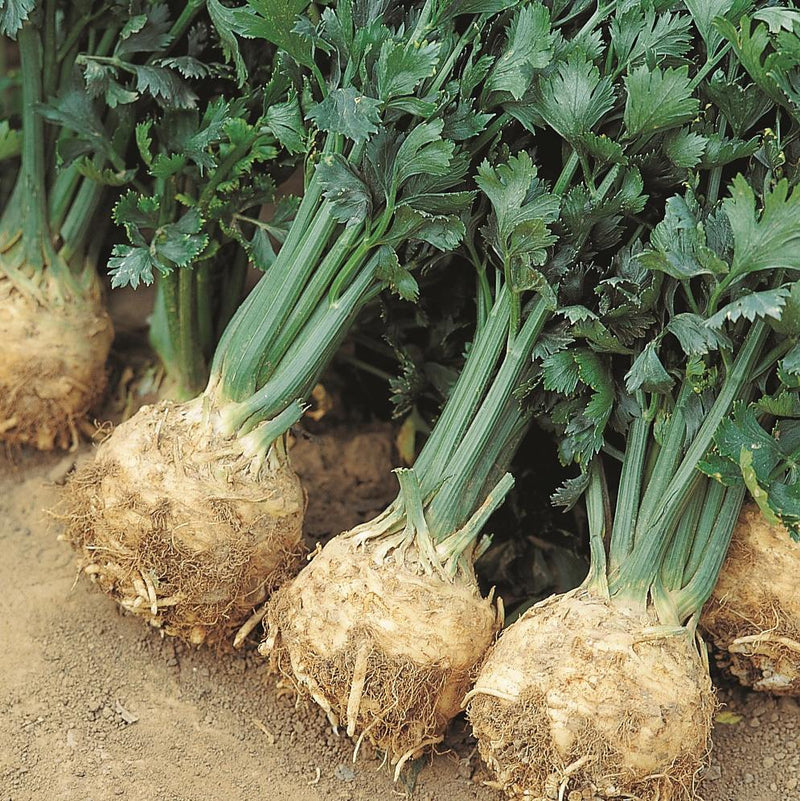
point(753, 615)
point(52, 366)
point(581, 698)
point(386, 650)
point(181, 526)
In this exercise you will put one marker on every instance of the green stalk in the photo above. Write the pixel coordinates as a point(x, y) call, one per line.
point(463, 487)
point(32, 169)
point(637, 573)
point(630, 490)
point(691, 598)
point(192, 367)
point(596, 505)
point(466, 395)
point(299, 370)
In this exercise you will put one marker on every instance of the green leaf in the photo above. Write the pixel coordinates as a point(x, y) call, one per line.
point(742, 106)
point(224, 20)
point(658, 100)
point(10, 141)
point(720, 150)
point(791, 361)
point(349, 196)
point(181, 242)
point(640, 34)
point(695, 337)
point(703, 13)
point(12, 14)
point(422, 152)
point(560, 373)
point(164, 85)
point(402, 65)
point(684, 148)
point(678, 245)
point(778, 19)
point(347, 112)
point(574, 99)
point(144, 141)
point(145, 33)
point(648, 373)
point(529, 47)
point(769, 240)
point(105, 176)
point(166, 165)
point(442, 231)
point(274, 20)
point(400, 280)
point(130, 266)
point(751, 306)
point(75, 111)
point(286, 122)
point(789, 323)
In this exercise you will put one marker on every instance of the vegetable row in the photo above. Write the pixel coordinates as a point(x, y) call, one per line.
point(614, 184)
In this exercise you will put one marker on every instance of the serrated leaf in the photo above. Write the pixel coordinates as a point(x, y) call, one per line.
point(721, 150)
point(274, 20)
point(658, 100)
point(402, 65)
point(164, 85)
point(347, 112)
point(754, 305)
point(574, 99)
point(778, 19)
point(422, 152)
point(105, 176)
point(695, 337)
point(444, 232)
point(648, 373)
point(529, 47)
point(678, 245)
point(349, 196)
point(742, 106)
point(560, 373)
point(604, 149)
point(187, 66)
point(400, 280)
point(166, 165)
point(148, 33)
point(181, 242)
point(769, 240)
point(640, 34)
point(144, 141)
point(570, 491)
point(684, 148)
point(224, 20)
point(286, 122)
point(130, 266)
point(10, 141)
point(13, 14)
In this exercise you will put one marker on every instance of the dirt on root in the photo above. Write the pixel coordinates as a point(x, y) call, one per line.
point(94, 705)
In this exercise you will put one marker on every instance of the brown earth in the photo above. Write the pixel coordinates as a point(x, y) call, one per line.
point(95, 706)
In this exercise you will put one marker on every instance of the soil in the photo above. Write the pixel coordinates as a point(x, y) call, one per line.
point(96, 706)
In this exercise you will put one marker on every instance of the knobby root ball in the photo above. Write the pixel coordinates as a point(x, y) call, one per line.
point(52, 366)
point(753, 615)
point(386, 649)
point(181, 526)
point(581, 698)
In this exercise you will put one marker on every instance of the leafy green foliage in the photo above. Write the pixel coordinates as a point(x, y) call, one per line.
point(13, 14)
point(517, 229)
point(766, 462)
point(155, 246)
point(658, 99)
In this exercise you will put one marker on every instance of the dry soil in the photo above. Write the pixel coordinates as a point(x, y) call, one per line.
point(95, 706)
